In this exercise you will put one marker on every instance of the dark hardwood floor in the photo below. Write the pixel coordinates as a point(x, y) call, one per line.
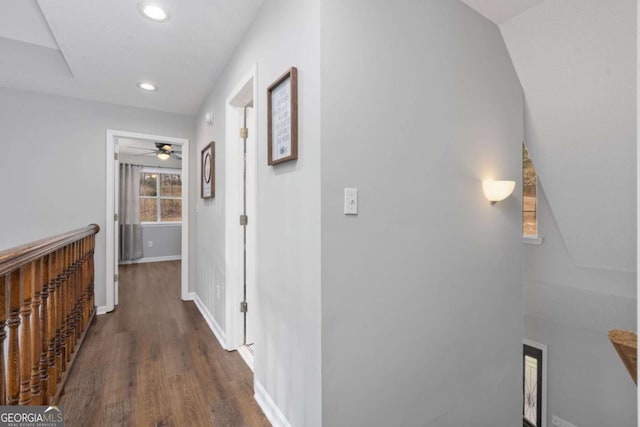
point(154, 362)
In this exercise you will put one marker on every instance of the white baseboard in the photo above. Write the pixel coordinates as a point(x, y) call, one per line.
point(246, 355)
point(268, 406)
point(213, 325)
point(152, 259)
point(189, 297)
point(101, 310)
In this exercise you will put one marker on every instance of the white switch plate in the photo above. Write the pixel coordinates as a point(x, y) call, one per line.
point(351, 201)
point(150, 243)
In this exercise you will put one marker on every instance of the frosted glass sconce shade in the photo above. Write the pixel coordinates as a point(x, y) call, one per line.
point(496, 191)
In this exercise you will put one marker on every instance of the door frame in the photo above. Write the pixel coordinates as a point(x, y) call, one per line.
point(111, 138)
point(233, 208)
point(543, 348)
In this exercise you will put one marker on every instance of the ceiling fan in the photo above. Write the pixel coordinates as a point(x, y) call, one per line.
point(163, 151)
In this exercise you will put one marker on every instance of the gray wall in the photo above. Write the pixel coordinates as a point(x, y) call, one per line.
point(53, 164)
point(422, 291)
point(287, 352)
point(167, 241)
point(570, 309)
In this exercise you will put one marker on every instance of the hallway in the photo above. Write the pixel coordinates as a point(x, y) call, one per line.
point(155, 362)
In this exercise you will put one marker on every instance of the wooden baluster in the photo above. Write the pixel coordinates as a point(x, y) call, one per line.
point(26, 283)
point(80, 325)
point(73, 300)
point(78, 290)
point(3, 336)
point(81, 295)
point(66, 325)
point(44, 330)
point(92, 273)
point(51, 305)
point(13, 380)
point(86, 301)
point(36, 339)
point(72, 310)
point(58, 312)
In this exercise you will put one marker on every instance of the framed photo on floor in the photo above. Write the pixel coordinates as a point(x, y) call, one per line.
point(282, 118)
point(208, 174)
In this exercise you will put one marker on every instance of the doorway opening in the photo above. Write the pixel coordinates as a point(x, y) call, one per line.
point(157, 175)
point(240, 227)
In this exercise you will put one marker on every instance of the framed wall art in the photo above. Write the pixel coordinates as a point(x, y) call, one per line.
point(208, 175)
point(282, 118)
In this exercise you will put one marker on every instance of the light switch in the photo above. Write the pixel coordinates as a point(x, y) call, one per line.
point(351, 201)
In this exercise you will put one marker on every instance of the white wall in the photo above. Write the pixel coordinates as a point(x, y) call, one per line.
point(287, 359)
point(576, 60)
point(571, 309)
point(53, 164)
point(422, 291)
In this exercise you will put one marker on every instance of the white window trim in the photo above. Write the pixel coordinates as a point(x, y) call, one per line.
point(160, 171)
point(531, 240)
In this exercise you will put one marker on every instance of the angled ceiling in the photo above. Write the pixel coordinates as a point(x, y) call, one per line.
point(100, 50)
point(500, 11)
point(576, 61)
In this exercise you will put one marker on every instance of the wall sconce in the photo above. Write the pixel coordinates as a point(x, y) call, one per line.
point(496, 191)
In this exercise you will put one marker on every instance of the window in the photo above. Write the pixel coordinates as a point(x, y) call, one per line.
point(161, 196)
point(529, 200)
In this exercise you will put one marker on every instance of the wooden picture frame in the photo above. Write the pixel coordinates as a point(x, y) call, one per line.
point(208, 171)
point(282, 118)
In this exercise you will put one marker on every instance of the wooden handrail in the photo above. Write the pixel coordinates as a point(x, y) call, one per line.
point(10, 259)
point(48, 288)
point(626, 345)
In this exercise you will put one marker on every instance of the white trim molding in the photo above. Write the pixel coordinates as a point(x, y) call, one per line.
point(101, 310)
point(153, 259)
point(233, 205)
point(247, 355)
point(211, 321)
point(111, 141)
point(532, 240)
point(269, 407)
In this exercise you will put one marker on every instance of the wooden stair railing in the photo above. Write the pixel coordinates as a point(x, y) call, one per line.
point(626, 345)
point(48, 288)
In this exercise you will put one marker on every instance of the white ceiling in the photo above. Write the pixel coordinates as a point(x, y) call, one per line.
point(500, 11)
point(107, 47)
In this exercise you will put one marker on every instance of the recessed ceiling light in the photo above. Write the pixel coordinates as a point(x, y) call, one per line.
point(147, 86)
point(153, 11)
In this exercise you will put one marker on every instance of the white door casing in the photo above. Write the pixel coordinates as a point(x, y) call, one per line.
point(111, 147)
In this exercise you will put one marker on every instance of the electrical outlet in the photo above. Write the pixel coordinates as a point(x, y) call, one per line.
point(218, 291)
point(150, 244)
point(559, 422)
